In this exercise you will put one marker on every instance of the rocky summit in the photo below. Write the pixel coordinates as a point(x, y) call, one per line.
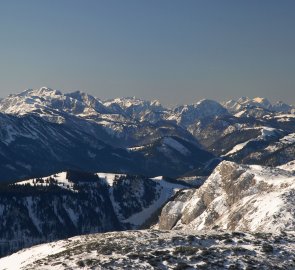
point(236, 197)
point(153, 249)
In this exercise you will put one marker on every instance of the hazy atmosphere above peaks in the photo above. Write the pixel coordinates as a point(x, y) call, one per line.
point(174, 51)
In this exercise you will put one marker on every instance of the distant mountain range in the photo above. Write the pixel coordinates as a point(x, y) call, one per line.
point(72, 164)
point(44, 131)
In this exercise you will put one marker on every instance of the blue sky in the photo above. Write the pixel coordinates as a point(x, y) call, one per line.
point(176, 51)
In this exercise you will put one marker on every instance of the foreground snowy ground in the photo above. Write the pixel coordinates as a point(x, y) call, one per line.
point(154, 249)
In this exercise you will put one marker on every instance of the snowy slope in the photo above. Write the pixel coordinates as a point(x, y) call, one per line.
point(289, 166)
point(73, 203)
point(149, 194)
point(265, 133)
point(166, 190)
point(60, 179)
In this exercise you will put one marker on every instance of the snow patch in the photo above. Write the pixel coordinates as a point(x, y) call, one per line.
point(176, 145)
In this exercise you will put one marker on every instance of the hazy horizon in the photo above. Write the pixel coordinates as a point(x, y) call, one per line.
point(137, 97)
point(178, 52)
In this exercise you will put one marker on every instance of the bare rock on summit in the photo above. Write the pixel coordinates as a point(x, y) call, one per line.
point(154, 249)
point(236, 197)
point(171, 213)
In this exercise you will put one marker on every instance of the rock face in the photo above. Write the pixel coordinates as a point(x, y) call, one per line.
point(236, 197)
point(172, 213)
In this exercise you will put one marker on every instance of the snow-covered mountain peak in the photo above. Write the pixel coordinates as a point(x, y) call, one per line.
point(205, 105)
point(189, 114)
point(260, 100)
point(40, 92)
point(245, 103)
point(89, 101)
point(47, 102)
point(46, 91)
point(127, 102)
point(207, 102)
point(134, 108)
point(263, 102)
point(28, 101)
